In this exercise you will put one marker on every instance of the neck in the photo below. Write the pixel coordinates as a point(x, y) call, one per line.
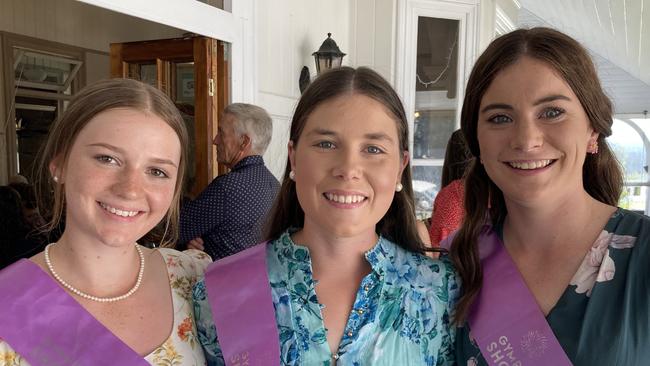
point(331, 253)
point(551, 225)
point(96, 268)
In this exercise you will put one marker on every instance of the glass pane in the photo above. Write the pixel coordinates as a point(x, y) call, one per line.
point(432, 130)
point(630, 151)
point(148, 74)
point(436, 105)
point(215, 3)
point(42, 71)
point(634, 198)
point(425, 188)
point(183, 97)
point(33, 119)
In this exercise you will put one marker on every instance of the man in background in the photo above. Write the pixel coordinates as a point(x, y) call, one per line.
point(229, 215)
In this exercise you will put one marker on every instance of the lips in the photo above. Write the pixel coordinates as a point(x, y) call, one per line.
point(117, 211)
point(530, 164)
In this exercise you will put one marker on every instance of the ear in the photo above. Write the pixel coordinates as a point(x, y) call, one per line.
point(246, 141)
point(292, 154)
point(56, 169)
point(594, 136)
point(403, 163)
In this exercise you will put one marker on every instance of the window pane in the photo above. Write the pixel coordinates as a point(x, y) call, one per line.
point(436, 86)
point(630, 151)
point(425, 188)
point(634, 198)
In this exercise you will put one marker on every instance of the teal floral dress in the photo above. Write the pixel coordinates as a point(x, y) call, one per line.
point(401, 314)
point(603, 317)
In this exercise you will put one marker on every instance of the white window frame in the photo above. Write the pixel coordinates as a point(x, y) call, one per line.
point(408, 12)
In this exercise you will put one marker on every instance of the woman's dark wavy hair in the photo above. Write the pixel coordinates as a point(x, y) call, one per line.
point(484, 202)
point(398, 224)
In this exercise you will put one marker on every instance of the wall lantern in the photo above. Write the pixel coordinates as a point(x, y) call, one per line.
point(327, 57)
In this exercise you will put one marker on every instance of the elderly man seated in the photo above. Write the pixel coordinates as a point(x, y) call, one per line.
point(229, 215)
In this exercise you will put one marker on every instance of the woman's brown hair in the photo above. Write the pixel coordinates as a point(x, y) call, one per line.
point(399, 223)
point(484, 201)
point(89, 102)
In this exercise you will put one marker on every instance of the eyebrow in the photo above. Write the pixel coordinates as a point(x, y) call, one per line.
point(369, 136)
point(121, 151)
point(543, 100)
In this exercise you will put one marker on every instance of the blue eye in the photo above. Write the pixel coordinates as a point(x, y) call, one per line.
point(552, 113)
point(374, 150)
point(499, 119)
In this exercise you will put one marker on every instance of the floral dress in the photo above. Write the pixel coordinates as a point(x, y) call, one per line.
point(181, 347)
point(401, 314)
point(603, 317)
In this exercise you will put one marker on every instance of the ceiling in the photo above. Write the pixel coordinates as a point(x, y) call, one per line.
point(616, 32)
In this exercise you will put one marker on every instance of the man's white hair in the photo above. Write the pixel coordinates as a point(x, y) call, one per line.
point(254, 122)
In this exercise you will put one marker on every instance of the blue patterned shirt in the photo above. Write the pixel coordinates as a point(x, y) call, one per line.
point(229, 214)
point(401, 314)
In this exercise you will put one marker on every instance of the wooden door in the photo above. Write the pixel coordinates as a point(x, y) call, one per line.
point(193, 72)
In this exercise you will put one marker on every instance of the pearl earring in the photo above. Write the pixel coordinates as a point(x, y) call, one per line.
point(399, 187)
point(292, 175)
point(56, 179)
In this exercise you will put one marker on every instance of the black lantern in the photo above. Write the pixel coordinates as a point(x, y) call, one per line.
point(328, 55)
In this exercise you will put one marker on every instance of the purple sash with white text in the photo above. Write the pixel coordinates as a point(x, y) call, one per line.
point(240, 297)
point(47, 327)
point(505, 320)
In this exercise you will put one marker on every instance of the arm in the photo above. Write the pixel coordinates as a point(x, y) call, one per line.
point(205, 326)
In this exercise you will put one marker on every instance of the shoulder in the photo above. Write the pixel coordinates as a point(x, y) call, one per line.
point(190, 262)
point(9, 357)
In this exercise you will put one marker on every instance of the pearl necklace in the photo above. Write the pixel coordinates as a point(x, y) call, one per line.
point(91, 297)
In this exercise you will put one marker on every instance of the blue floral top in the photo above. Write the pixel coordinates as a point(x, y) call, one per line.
point(401, 314)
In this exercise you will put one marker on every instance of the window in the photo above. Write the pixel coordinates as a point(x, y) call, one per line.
point(630, 145)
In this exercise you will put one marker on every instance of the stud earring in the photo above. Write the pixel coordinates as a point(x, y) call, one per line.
point(399, 187)
point(56, 179)
point(593, 147)
point(292, 175)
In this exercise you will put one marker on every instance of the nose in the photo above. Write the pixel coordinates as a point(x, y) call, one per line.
point(527, 135)
point(129, 184)
point(348, 165)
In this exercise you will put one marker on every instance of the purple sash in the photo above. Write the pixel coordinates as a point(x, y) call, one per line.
point(46, 326)
point(505, 320)
point(242, 308)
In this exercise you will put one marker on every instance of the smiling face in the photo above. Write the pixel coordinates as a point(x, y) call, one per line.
point(533, 134)
point(347, 164)
point(120, 176)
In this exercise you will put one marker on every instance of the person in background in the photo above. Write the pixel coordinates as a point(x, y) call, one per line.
point(16, 239)
point(448, 211)
point(348, 280)
point(29, 205)
point(228, 216)
point(553, 273)
point(115, 163)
